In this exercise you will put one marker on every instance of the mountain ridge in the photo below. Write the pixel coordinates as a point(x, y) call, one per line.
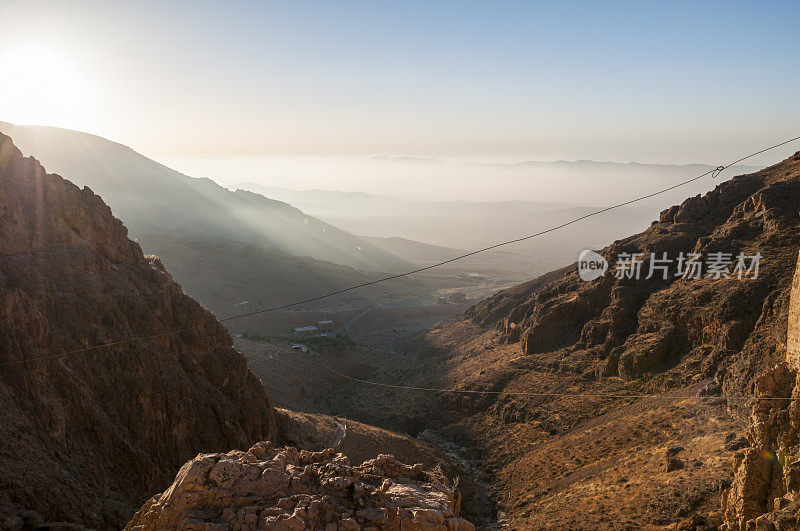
point(71, 280)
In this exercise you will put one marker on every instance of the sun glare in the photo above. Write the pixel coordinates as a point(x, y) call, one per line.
point(42, 87)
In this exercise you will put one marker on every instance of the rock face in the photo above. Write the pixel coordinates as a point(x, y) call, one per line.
point(623, 322)
point(87, 437)
point(287, 489)
point(727, 330)
point(793, 330)
point(765, 493)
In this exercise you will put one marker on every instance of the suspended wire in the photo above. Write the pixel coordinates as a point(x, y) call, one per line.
point(543, 394)
point(714, 173)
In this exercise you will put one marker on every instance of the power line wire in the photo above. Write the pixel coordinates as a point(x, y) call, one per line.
point(550, 394)
point(546, 394)
point(714, 172)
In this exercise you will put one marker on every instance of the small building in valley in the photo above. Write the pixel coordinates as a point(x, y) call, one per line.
point(458, 297)
point(306, 330)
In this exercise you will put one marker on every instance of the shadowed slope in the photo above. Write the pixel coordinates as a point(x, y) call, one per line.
point(86, 438)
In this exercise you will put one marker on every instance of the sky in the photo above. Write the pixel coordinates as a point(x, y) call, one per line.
point(668, 82)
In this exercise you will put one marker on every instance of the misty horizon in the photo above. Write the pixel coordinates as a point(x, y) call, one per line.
point(440, 179)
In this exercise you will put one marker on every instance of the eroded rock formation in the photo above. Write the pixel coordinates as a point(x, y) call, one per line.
point(765, 493)
point(287, 489)
point(639, 327)
point(87, 437)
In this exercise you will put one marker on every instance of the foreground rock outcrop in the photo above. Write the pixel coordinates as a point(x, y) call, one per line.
point(86, 436)
point(290, 489)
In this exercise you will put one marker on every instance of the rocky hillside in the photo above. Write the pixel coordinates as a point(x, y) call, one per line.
point(704, 336)
point(87, 437)
point(283, 488)
point(624, 325)
point(582, 456)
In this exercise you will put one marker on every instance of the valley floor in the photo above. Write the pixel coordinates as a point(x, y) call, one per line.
point(544, 462)
point(325, 409)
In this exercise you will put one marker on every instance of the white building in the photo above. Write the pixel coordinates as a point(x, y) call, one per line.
point(306, 330)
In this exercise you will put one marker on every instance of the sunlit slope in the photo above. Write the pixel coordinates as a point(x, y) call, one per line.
point(153, 200)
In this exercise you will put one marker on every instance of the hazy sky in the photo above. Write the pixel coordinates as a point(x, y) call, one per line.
point(647, 81)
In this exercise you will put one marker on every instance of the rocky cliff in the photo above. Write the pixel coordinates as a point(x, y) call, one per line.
point(636, 328)
point(287, 489)
point(766, 489)
point(714, 335)
point(87, 436)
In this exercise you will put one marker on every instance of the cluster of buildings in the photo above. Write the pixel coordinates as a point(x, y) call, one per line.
point(456, 298)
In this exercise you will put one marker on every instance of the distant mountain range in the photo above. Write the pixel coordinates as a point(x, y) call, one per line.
point(637, 166)
point(414, 251)
point(587, 185)
point(449, 226)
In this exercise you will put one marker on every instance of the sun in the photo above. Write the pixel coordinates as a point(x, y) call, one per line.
point(43, 86)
